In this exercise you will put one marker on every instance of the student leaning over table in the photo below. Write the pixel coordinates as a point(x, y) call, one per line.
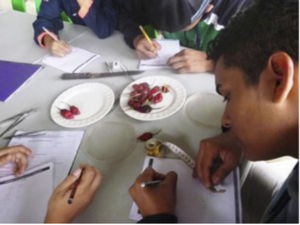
point(100, 16)
point(193, 22)
point(257, 72)
point(59, 211)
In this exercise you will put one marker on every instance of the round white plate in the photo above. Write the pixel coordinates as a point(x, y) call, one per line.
point(172, 101)
point(94, 101)
point(110, 141)
point(205, 109)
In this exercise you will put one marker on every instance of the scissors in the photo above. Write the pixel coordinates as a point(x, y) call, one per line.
point(18, 119)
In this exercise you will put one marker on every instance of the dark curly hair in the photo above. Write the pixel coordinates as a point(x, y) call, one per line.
point(266, 27)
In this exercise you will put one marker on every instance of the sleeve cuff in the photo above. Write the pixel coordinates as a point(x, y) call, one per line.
point(160, 218)
point(40, 38)
point(84, 9)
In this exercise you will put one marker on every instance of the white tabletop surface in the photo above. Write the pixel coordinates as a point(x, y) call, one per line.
point(113, 202)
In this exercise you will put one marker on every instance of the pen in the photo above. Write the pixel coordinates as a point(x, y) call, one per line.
point(150, 183)
point(146, 35)
point(74, 188)
point(50, 34)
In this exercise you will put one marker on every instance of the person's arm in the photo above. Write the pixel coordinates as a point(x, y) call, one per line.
point(100, 16)
point(156, 204)
point(48, 17)
point(132, 15)
point(15, 154)
point(217, 157)
point(59, 210)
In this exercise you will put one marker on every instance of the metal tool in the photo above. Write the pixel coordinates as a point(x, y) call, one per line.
point(18, 119)
point(26, 134)
point(68, 76)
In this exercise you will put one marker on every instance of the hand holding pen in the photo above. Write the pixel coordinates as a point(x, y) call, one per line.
point(155, 198)
point(145, 47)
point(55, 46)
point(59, 208)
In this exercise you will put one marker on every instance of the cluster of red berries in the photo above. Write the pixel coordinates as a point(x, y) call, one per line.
point(142, 96)
point(69, 113)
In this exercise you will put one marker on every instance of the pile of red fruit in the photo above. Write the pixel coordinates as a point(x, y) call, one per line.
point(69, 113)
point(143, 96)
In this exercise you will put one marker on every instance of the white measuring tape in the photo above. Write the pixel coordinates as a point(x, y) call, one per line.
point(155, 144)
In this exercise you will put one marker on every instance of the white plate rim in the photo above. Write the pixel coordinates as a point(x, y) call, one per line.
point(194, 97)
point(58, 119)
point(175, 107)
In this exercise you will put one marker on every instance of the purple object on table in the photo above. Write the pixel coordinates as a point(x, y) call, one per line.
point(13, 75)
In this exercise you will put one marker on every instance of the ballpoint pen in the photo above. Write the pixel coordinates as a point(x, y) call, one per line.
point(74, 188)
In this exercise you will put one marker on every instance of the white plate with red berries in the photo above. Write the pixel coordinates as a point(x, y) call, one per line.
point(152, 98)
point(82, 105)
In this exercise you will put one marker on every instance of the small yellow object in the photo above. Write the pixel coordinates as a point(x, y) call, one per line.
point(154, 147)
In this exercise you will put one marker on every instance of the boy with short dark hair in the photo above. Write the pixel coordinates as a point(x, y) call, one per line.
point(257, 72)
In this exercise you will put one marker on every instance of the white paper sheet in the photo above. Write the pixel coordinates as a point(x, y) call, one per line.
point(59, 147)
point(72, 62)
point(196, 204)
point(168, 49)
point(24, 199)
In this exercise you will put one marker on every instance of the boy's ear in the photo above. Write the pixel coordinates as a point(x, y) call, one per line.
point(281, 66)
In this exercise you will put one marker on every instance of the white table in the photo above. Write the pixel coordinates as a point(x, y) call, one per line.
point(112, 203)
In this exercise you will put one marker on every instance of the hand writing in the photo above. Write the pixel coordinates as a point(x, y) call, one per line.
point(59, 210)
point(144, 49)
point(157, 199)
point(56, 48)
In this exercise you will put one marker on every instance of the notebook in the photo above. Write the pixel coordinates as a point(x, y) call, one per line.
point(72, 62)
point(195, 203)
point(13, 75)
point(168, 49)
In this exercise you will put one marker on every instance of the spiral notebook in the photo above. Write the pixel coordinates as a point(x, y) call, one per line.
point(13, 75)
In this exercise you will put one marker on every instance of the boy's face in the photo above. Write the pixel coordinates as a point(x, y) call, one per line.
point(248, 112)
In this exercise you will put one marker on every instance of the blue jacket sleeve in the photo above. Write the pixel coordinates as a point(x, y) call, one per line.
point(49, 17)
point(102, 18)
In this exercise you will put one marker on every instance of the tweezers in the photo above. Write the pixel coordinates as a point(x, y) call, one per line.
point(27, 134)
point(18, 119)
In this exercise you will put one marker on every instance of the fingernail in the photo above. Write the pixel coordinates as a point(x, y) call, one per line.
point(77, 172)
point(216, 180)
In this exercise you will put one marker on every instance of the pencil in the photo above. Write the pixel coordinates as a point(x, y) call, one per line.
point(146, 35)
point(50, 34)
point(74, 188)
point(150, 183)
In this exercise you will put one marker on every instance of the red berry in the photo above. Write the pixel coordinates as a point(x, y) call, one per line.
point(145, 136)
point(148, 135)
point(67, 114)
point(74, 110)
point(154, 90)
point(157, 98)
